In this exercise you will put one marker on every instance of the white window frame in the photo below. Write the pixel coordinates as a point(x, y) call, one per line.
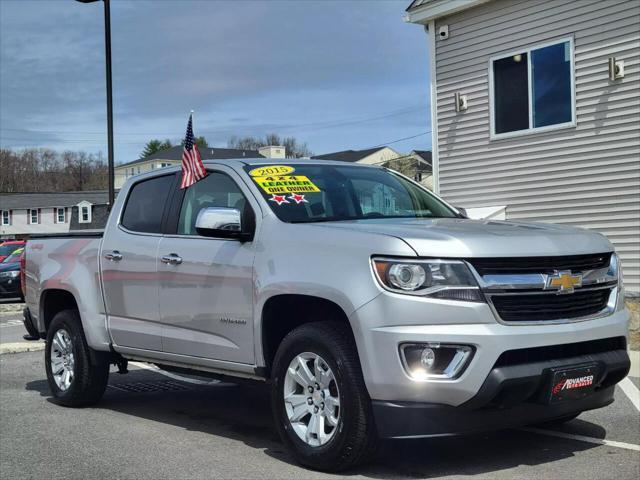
point(57, 214)
point(81, 207)
point(31, 211)
point(8, 217)
point(533, 130)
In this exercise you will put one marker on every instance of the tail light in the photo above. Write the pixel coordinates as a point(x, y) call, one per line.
point(23, 278)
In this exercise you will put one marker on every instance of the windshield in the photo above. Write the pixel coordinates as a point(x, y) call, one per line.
point(14, 257)
point(8, 249)
point(322, 193)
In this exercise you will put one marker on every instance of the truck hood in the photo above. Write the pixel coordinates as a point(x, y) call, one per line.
point(457, 237)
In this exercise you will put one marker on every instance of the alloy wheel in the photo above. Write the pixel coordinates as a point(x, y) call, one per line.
point(62, 359)
point(312, 399)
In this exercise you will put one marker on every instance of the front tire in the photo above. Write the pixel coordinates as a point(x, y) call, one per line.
point(74, 379)
point(320, 404)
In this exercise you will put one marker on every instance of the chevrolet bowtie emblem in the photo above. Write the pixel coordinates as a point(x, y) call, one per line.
point(564, 282)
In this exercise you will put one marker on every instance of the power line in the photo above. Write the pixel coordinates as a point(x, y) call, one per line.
point(319, 125)
point(399, 140)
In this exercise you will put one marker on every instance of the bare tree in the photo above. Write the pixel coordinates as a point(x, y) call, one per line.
point(45, 170)
point(293, 147)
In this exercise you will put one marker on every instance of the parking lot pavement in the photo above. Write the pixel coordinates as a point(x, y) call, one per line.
point(12, 331)
point(152, 426)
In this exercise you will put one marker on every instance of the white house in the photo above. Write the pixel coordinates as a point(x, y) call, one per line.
point(535, 111)
point(372, 156)
point(173, 156)
point(24, 214)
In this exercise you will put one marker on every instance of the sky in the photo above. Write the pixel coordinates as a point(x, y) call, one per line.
point(335, 74)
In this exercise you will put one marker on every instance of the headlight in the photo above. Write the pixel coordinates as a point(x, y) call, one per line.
point(615, 269)
point(11, 274)
point(446, 279)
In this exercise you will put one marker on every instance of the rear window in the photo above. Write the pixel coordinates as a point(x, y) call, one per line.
point(145, 205)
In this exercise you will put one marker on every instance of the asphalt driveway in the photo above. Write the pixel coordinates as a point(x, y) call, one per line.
point(152, 426)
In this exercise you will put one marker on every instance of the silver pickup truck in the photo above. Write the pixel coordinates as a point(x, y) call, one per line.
point(371, 307)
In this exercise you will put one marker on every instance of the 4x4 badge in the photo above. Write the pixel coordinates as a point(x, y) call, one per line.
point(564, 282)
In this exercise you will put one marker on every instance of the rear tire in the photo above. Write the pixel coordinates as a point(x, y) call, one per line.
point(75, 380)
point(348, 436)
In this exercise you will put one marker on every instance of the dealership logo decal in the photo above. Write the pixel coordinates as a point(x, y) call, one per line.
point(573, 383)
point(564, 282)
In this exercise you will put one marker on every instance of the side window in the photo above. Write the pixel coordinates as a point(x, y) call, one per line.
point(215, 190)
point(145, 205)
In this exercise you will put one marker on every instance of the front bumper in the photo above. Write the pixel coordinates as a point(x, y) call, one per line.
point(389, 320)
point(10, 287)
point(510, 396)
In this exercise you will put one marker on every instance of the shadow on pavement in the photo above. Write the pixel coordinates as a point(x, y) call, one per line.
point(242, 412)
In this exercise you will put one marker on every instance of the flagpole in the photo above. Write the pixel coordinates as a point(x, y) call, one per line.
point(107, 42)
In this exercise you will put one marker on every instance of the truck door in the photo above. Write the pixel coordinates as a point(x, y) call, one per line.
point(206, 284)
point(129, 265)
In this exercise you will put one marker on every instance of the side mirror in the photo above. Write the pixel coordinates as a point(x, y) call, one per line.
point(222, 222)
point(462, 211)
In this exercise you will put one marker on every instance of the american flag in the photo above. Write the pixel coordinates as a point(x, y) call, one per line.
point(192, 166)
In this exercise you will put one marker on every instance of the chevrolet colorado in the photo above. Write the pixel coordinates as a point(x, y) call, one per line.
point(370, 306)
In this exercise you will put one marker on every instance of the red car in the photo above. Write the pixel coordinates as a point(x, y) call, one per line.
point(10, 246)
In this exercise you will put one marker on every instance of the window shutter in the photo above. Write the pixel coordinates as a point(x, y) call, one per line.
point(55, 215)
point(10, 217)
point(39, 213)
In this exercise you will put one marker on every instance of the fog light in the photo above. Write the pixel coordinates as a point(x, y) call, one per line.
point(439, 361)
point(428, 358)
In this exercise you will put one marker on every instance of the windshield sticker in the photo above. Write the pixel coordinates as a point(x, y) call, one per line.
point(286, 184)
point(279, 199)
point(271, 170)
point(296, 197)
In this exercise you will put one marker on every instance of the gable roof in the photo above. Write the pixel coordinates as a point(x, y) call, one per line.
point(18, 201)
point(422, 11)
point(349, 155)
point(208, 153)
point(425, 155)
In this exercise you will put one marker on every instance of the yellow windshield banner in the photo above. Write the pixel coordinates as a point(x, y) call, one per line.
point(286, 184)
point(271, 170)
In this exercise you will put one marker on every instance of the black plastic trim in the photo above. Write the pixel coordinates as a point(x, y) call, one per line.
point(510, 396)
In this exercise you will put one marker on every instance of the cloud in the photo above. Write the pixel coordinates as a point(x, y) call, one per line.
point(248, 67)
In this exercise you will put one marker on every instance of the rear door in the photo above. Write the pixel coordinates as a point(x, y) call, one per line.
point(129, 265)
point(206, 297)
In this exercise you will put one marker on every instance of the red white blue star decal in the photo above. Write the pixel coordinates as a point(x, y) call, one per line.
point(297, 198)
point(279, 199)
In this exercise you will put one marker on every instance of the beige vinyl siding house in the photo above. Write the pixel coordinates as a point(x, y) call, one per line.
point(583, 170)
point(25, 214)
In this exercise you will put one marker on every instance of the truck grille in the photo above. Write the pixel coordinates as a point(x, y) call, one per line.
point(550, 306)
point(546, 265)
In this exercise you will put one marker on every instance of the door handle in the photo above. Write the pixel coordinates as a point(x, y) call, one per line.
point(171, 259)
point(114, 256)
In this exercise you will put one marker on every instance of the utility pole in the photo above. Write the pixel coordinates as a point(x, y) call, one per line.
point(107, 51)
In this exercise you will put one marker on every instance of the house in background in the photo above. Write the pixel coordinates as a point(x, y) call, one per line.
point(25, 214)
point(416, 165)
point(173, 156)
point(372, 156)
point(535, 110)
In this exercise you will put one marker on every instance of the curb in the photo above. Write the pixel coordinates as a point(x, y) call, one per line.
point(11, 309)
point(20, 347)
point(634, 355)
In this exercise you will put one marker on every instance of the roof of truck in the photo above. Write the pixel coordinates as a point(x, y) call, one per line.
point(281, 161)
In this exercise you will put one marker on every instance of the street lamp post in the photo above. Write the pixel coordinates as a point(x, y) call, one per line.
point(107, 49)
